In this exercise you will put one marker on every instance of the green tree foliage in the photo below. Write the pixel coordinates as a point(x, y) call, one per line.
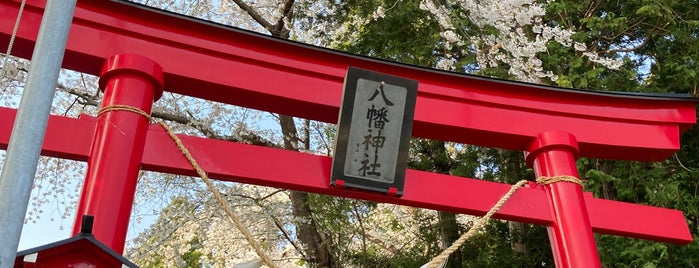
point(399, 31)
point(658, 43)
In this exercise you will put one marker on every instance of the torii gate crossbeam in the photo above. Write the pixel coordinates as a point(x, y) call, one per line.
point(306, 81)
point(69, 138)
point(232, 66)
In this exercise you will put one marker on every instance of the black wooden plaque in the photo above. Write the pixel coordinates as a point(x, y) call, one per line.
point(373, 131)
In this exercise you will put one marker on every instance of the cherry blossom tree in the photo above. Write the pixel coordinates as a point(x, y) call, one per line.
point(514, 39)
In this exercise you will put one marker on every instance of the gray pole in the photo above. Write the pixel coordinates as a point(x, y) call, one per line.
point(30, 125)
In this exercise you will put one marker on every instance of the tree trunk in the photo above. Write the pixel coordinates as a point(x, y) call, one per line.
point(608, 189)
point(448, 227)
point(511, 170)
point(317, 250)
point(517, 232)
point(448, 233)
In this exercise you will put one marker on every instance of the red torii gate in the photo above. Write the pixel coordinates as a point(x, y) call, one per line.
point(213, 62)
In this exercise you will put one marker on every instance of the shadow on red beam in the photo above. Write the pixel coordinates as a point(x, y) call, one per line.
point(70, 138)
point(232, 66)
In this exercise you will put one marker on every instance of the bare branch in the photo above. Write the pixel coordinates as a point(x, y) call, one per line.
point(254, 14)
point(278, 29)
point(287, 9)
point(382, 244)
point(629, 49)
point(85, 98)
point(248, 138)
point(326, 144)
point(271, 194)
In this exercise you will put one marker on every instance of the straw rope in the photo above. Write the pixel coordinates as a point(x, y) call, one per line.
point(15, 29)
point(436, 262)
point(544, 180)
point(224, 203)
point(441, 259)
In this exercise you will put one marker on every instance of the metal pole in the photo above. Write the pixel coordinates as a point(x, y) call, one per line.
point(30, 123)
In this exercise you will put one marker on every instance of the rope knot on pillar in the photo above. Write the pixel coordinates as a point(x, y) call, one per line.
point(546, 180)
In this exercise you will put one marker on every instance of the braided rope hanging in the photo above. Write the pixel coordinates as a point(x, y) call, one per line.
point(222, 201)
point(12, 37)
point(441, 259)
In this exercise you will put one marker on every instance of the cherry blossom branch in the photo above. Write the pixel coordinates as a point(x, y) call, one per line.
point(85, 98)
point(253, 13)
point(278, 29)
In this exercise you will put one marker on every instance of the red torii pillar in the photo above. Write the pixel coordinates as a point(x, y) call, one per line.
point(117, 148)
point(115, 156)
point(102, 29)
point(572, 241)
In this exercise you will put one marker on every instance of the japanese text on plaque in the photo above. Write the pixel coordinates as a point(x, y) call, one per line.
point(375, 130)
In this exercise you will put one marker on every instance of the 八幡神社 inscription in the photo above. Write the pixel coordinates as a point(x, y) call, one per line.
point(371, 152)
point(374, 131)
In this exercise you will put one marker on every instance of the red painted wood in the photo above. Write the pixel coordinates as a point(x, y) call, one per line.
point(570, 233)
point(221, 64)
point(311, 173)
point(77, 251)
point(306, 172)
point(68, 138)
point(115, 156)
point(225, 65)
